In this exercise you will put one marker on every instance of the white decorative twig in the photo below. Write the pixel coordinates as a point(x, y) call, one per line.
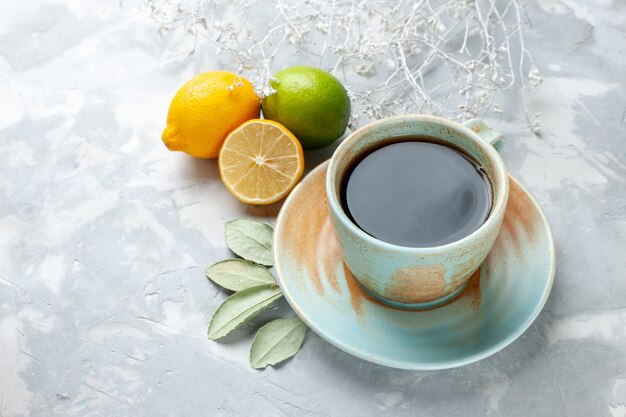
point(448, 58)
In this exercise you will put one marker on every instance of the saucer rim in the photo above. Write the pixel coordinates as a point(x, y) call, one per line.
point(413, 365)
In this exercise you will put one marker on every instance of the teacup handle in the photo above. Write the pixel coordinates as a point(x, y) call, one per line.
point(491, 136)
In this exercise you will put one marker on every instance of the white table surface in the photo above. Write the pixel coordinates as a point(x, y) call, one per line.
point(104, 236)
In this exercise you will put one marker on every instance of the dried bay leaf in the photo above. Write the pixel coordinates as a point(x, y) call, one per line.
point(239, 274)
point(251, 240)
point(242, 306)
point(277, 341)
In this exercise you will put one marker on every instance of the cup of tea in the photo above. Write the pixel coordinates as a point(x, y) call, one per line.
point(417, 203)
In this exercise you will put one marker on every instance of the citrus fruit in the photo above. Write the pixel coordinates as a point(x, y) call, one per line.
point(260, 162)
point(206, 109)
point(309, 102)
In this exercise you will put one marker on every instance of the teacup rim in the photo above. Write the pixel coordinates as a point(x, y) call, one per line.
point(498, 207)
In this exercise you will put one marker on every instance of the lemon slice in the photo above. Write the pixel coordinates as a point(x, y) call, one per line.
point(260, 162)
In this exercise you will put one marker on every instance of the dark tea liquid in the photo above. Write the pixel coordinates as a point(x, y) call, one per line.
point(417, 193)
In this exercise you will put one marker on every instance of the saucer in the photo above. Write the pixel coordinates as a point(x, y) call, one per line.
point(500, 302)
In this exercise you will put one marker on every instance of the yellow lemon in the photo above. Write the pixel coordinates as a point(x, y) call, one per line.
point(206, 109)
point(260, 162)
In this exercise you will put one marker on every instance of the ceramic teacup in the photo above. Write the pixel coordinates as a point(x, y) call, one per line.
point(425, 277)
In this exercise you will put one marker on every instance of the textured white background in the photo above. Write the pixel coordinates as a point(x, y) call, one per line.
point(104, 235)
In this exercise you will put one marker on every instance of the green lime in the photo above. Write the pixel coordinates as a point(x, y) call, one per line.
point(309, 102)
